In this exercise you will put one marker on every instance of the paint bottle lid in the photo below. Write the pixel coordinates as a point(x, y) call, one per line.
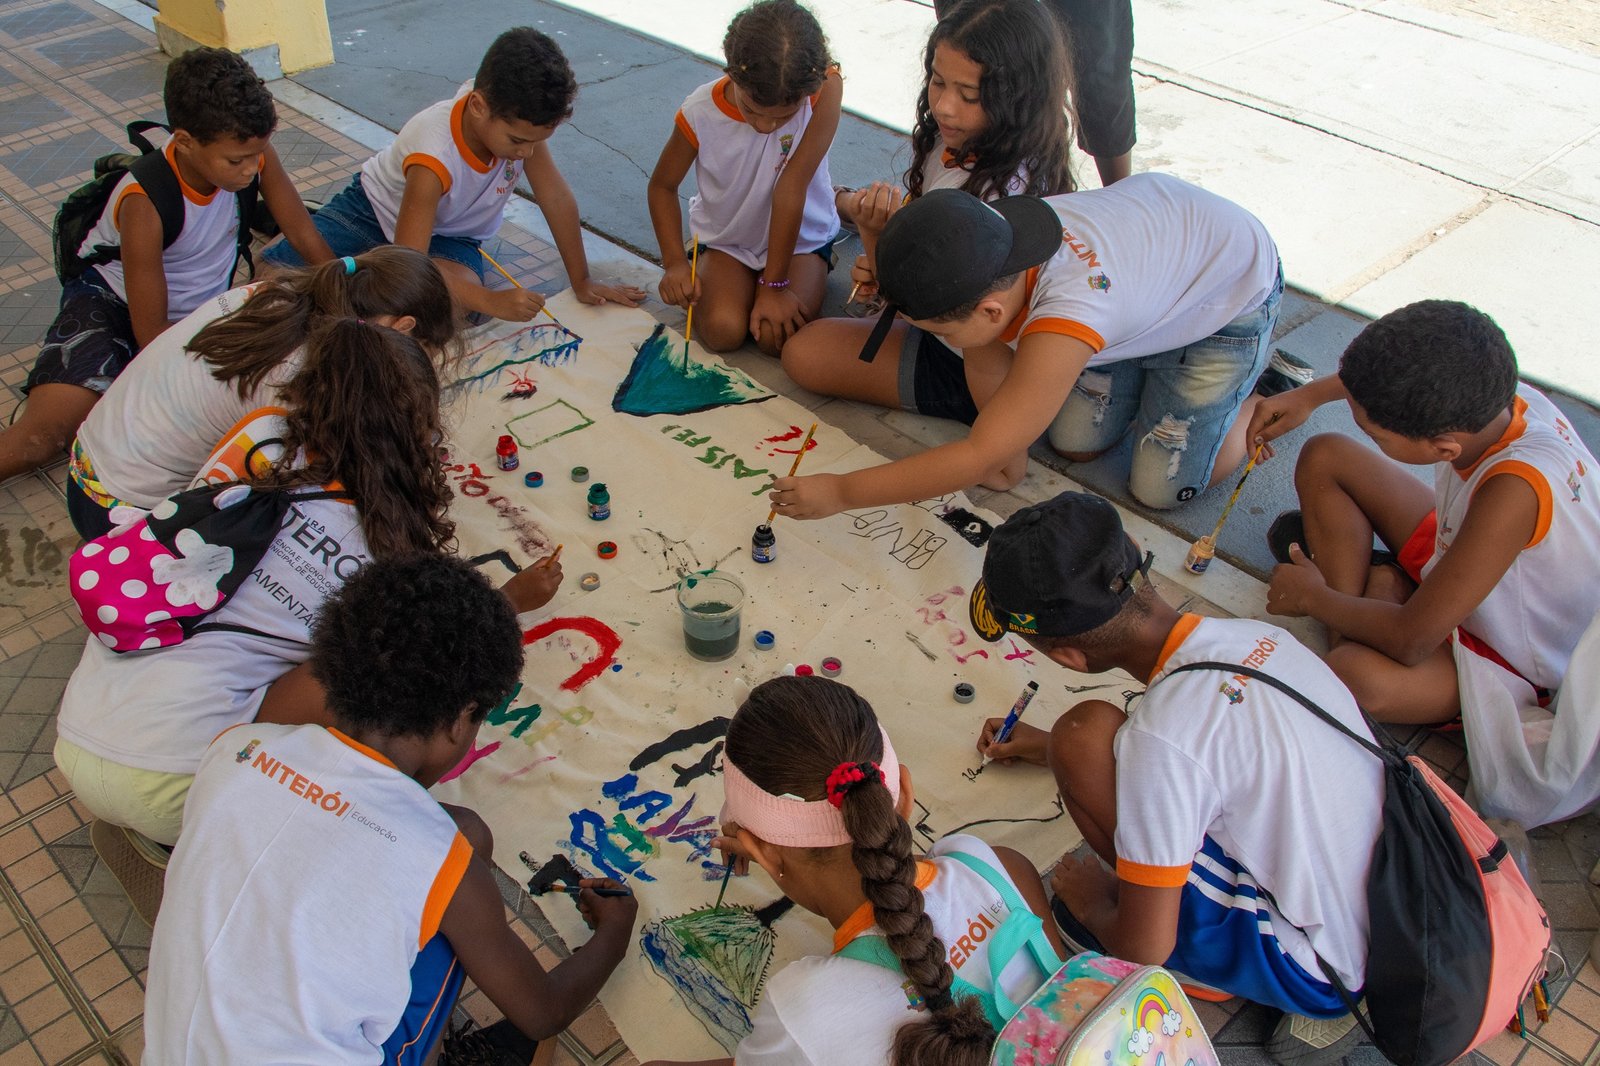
point(607, 549)
point(580, 473)
point(533, 479)
point(832, 667)
point(765, 641)
point(964, 693)
point(803, 670)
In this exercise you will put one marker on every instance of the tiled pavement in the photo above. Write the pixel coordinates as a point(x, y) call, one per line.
point(72, 952)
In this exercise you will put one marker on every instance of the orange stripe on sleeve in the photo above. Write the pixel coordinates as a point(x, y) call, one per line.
point(1066, 328)
point(1537, 482)
point(418, 159)
point(685, 129)
point(1137, 873)
point(444, 888)
point(130, 188)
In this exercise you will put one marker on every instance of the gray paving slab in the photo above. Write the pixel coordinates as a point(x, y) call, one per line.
point(1570, 182)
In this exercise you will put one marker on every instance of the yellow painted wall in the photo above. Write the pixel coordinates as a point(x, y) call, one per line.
point(298, 27)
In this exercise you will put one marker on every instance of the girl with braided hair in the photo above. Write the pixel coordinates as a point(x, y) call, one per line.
point(817, 798)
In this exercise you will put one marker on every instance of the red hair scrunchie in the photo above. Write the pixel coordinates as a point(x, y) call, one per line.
point(847, 775)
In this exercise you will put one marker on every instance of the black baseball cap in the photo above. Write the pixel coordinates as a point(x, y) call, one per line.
point(946, 247)
point(1057, 569)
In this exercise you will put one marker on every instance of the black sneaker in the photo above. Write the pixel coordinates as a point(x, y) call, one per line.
point(1288, 528)
point(1074, 933)
point(1284, 372)
point(501, 1044)
point(1302, 1041)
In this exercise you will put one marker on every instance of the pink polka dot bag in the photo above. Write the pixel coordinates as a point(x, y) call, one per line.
point(152, 581)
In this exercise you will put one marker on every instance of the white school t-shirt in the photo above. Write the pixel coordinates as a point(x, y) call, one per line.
point(1147, 265)
point(154, 427)
point(1535, 614)
point(735, 170)
point(827, 1011)
point(1298, 804)
point(309, 874)
point(942, 170)
point(476, 190)
point(157, 710)
point(199, 264)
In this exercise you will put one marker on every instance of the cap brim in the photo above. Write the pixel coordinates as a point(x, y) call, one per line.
point(1035, 232)
point(880, 330)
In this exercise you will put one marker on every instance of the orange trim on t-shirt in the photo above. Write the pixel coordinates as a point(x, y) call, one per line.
point(132, 188)
point(362, 748)
point(1517, 427)
point(1537, 482)
point(1066, 327)
point(422, 159)
point(719, 96)
point(459, 135)
point(1138, 873)
point(444, 888)
point(1180, 633)
point(1014, 330)
point(687, 130)
point(189, 192)
point(864, 918)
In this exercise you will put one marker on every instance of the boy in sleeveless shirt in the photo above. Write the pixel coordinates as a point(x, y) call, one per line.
point(222, 119)
point(1211, 792)
point(320, 905)
point(442, 187)
point(1501, 555)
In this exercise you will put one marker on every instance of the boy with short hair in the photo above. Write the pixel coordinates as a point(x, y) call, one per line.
point(320, 905)
point(1148, 305)
point(1213, 784)
point(442, 187)
point(1503, 552)
point(222, 117)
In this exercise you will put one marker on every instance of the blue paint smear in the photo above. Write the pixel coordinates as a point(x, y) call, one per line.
point(703, 992)
point(659, 382)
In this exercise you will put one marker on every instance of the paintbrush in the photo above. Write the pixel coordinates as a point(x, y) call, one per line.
point(507, 275)
point(799, 455)
point(853, 290)
point(550, 560)
point(723, 891)
point(609, 893)
point(1227, 510)
point(688, 325)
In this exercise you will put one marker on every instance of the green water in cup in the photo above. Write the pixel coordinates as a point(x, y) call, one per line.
point(710, 606)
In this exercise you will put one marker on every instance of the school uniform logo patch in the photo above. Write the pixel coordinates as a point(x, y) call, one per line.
point(1099, 282)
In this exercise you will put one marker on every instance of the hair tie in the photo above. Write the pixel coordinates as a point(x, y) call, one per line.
point(349, 262)
point(847, 775)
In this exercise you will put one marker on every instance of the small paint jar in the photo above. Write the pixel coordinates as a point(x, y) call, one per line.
point(607, 549)
point(765, 641)
point(832, 667)
point(505, 452)
point(580, 474)
point(764, 545)
point(803, 670)
point(964, 693)
point(533, 479)
point(1201, 552)
point(589, 582)
point(599, 502)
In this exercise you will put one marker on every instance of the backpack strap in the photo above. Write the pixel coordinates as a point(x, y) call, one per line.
point(247, 213)
point(875, 950)
point(249, 631)
point(1021, 931)
point(1383, 754)
point(137, 130)
point(155, 176)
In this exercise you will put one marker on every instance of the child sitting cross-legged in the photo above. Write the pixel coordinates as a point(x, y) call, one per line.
point(817, 798)
point(321, 906)
point(1503, 551)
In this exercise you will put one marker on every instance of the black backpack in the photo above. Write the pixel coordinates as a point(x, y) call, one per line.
point(82, 208)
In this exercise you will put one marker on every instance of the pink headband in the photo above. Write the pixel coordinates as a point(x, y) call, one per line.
point(786, 820)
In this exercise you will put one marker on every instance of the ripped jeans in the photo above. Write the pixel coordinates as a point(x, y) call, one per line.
point(1180, 405)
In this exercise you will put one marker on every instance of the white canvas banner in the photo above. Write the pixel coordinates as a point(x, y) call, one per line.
point(610, 753)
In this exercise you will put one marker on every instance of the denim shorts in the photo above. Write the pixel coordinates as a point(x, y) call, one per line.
point(1179, 405)
point(350, 226)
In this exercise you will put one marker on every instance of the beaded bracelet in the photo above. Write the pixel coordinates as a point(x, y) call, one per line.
point(765, 284)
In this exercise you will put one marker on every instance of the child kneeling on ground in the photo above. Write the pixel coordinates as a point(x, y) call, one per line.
point(1239, 826)
point(818, 800)
point(1503, 551)
point(321, 906)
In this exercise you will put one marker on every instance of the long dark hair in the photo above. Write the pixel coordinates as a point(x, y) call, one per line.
point(1023, 92)
point(249, 344)
point(776, 52)
point(364, 412)
point(788, 737)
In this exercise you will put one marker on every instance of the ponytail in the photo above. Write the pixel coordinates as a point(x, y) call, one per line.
point(816, 738)
point(248, 345)
point(364, 412)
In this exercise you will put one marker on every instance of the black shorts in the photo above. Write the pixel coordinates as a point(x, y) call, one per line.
point(91, 339)
point(933, 379)
point(826, 251)
point(1100, 33)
